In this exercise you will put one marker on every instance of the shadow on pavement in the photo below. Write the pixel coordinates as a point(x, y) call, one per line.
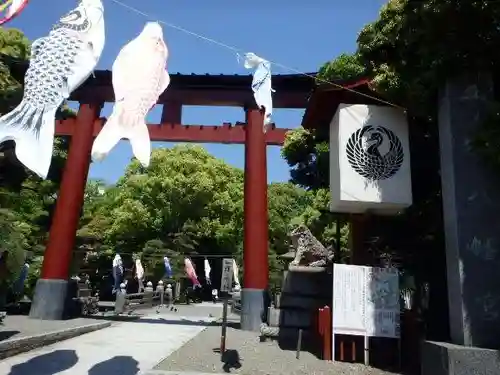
point(188, 322)
point(119, 365)
point(4, 335)
point(180, 322)
point(230, 359)
point(46, 364)
point(116, 318)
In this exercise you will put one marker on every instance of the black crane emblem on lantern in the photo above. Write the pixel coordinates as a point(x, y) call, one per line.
point(365, 155)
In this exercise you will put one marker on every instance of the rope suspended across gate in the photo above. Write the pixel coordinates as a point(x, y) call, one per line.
point(241, 52)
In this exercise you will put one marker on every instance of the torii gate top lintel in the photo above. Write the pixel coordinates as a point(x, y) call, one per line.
point(292, 90)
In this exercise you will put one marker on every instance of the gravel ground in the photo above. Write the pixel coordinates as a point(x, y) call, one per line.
point(256, 358)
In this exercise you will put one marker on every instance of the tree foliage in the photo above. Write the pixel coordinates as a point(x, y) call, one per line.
point(13, 244)
point(307, 153)
point(486, 142)
point(414, 46)
point(26, 201)
point(344, 67)
point(13, 43)
point(185, 190)
point(185, 202)
point(409, 53)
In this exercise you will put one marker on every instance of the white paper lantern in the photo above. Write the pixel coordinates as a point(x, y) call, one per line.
point(369, 160)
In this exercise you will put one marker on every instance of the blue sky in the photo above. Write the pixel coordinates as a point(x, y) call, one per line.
point(290, 33)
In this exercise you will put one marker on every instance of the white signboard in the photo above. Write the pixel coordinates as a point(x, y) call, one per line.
point(369, 160)
point(365, 301)
point(226, 283)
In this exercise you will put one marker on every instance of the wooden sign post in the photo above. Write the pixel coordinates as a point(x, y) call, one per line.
point(225, 288)
point(365, 303)
point(226, 282)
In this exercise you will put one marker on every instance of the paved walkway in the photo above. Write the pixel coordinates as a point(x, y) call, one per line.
point(17, 326)
point(123, 349)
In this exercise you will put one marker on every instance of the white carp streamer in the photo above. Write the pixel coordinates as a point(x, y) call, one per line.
point(60, 62)
point(139, 78)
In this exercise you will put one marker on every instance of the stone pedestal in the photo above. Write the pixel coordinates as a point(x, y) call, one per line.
point(304, 291)
point(252, 309)
point(471, 206)
point(449, 359)
point(50, 292)
point(49, 300)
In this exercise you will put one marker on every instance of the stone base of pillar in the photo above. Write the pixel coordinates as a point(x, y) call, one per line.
point(439, 358)
point(252, 309)
point(49, 299)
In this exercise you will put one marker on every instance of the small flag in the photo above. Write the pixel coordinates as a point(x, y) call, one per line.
point(139, 269)
point(168, 268)
point(117, 271)
point(190, 271)
point(207, 270)
point(236, 279)
point(19, 284)
point(261, 84)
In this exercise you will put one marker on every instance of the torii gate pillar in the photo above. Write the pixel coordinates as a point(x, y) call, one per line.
point(50, 292)
point(255, 247)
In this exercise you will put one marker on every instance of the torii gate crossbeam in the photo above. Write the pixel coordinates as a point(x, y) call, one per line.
point(291, 92)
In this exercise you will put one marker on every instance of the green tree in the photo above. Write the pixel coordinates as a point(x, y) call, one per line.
point(186, 202)
point(13, 43)
point(344, 67)
point(408, 53)
point(285, 202)
point(21, 209)
point(152, 259)
point(27, 201)
point(185, 190)
point(13, 245)
point(321, 224)
point(307, 154)
point(414, 46)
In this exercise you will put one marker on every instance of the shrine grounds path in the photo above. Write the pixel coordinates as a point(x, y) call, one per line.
point(256, 358)
point(170, 343)
point(125, 348)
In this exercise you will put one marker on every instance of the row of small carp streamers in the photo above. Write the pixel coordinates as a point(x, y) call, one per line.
point(189, 269)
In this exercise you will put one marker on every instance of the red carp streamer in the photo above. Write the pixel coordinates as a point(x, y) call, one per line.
point(188, 266)
point(9, 9)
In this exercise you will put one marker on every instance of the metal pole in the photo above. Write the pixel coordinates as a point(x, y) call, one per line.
point(299, 344)
point(224, 328)
point(367, 350)
point(400, 355)
point(338, 237)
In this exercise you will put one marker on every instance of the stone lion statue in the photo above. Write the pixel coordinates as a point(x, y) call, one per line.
point(308, 250)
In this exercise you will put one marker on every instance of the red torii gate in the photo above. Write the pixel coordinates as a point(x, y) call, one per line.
point(221, 90)
point(292, 91)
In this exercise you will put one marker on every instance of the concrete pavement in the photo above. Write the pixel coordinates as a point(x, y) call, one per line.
point(123, 349)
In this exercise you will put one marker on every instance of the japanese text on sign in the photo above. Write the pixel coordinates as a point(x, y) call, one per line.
point(365, 301)
point(226, 284)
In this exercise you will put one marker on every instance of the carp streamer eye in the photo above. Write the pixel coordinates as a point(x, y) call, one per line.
point(9, 9)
